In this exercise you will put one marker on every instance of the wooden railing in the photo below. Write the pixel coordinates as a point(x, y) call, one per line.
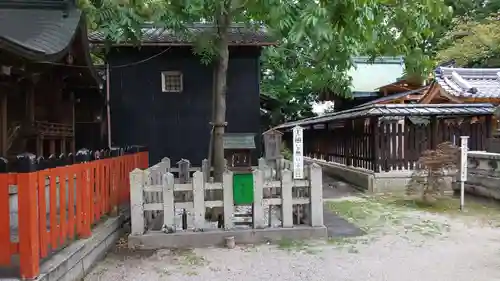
point(58, 205)
point(53, 129)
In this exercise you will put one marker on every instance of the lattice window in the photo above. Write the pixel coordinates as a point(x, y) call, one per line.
point(171, 81)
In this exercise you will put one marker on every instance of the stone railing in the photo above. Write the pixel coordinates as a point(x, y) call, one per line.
point(483, 175)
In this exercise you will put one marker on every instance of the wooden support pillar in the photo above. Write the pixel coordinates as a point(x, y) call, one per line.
point(73, 99)
point(348, 141)
point(63, 145)
point(433, 132)
point(4, 124)
point(375, 143)
point(30, 101)
point(52, 146)
point(39, 145)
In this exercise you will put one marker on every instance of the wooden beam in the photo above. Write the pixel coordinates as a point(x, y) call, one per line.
point(431, 93)
point(39, 145)
point(495, 101)
point(4, 124)
point(52, 146)
point(63, 145)
point(30, 101)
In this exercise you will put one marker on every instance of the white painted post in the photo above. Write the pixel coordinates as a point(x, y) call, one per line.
point(258, 193)
point(136, 201)
point(463, 168)
point(205, 168)
point(227, 189)
point(316, 195)
point(168, 202)
point(198, 200)
point(298, 152)
point(165, 165)
point(148, 196)
point(184, 166)
point(262, 164)
point(156, 179)
point(286, 198)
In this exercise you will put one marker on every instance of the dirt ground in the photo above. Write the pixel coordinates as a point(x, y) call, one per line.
point(403, 242)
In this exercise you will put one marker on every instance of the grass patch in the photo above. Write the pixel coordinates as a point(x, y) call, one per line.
point(289, 244)
point(189, 258)
point(296, 245)
point(450, 206)
point(382, 214)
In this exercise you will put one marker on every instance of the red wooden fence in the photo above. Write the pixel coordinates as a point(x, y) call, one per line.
point(59, 205)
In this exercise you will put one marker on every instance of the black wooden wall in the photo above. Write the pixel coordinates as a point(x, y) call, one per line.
point(176, 125)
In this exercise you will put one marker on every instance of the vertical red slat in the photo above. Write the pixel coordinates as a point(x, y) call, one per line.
point(61, 172)
point(123, 184)
point(79, 198)
point(42, 213)
point(4, 220)
point(29, 247)
point(71, 202)
point(86, 201)
point(107, 186)
point(92, 194)
point(54, 231)
point(98, 192)
point(102, 187)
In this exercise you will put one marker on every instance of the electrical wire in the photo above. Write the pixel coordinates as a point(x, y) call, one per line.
point(111, 67)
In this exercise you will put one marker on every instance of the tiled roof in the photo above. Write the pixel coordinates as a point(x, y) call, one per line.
point(470, 82)
point(38, 33)
point(238, 35)
point(386, 110)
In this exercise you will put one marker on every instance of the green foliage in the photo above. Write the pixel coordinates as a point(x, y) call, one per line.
point(286, 152)
point(471, 37)
point(316, 39)
point(473, 43)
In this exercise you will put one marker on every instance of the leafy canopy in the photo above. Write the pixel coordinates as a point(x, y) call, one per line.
point(473, 43)
point(315, 39)
point(473, 37)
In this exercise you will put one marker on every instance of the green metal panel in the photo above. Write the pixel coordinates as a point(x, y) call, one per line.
point(243, 188)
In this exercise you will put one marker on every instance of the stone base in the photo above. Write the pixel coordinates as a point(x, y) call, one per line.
point(158, 240)
point(493, 144)
point(75, 261)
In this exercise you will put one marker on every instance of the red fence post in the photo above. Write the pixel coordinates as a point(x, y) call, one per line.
point(5, 242)
point(29, 247)
point(86, 202)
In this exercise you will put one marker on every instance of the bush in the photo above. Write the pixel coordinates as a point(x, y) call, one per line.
point(433, 167)
point(287, 153)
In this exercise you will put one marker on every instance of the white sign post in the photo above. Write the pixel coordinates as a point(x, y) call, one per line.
point(298, 152)
point(464, 148)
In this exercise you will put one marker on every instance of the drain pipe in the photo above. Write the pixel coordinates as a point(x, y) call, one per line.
point(108, 111)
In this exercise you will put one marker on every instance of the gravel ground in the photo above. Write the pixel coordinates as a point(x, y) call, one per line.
point(401, 244)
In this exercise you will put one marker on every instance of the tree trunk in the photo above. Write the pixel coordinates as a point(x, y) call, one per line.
point(222, 22)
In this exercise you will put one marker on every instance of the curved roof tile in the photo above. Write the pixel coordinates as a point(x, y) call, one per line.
point(38, 34)
point(483, 82)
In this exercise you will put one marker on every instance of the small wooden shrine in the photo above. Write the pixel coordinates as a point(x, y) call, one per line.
point(238, 150)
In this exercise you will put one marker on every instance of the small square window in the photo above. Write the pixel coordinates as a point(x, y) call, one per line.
point(171, 81)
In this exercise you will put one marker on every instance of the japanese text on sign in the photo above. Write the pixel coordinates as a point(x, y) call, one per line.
point(463, 157)
point(298, 153)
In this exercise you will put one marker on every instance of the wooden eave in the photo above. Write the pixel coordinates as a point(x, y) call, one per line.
point(398, 87)
point(439, 95)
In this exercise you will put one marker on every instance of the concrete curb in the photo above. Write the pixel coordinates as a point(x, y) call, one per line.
point(157, 239)
point(75, 261)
